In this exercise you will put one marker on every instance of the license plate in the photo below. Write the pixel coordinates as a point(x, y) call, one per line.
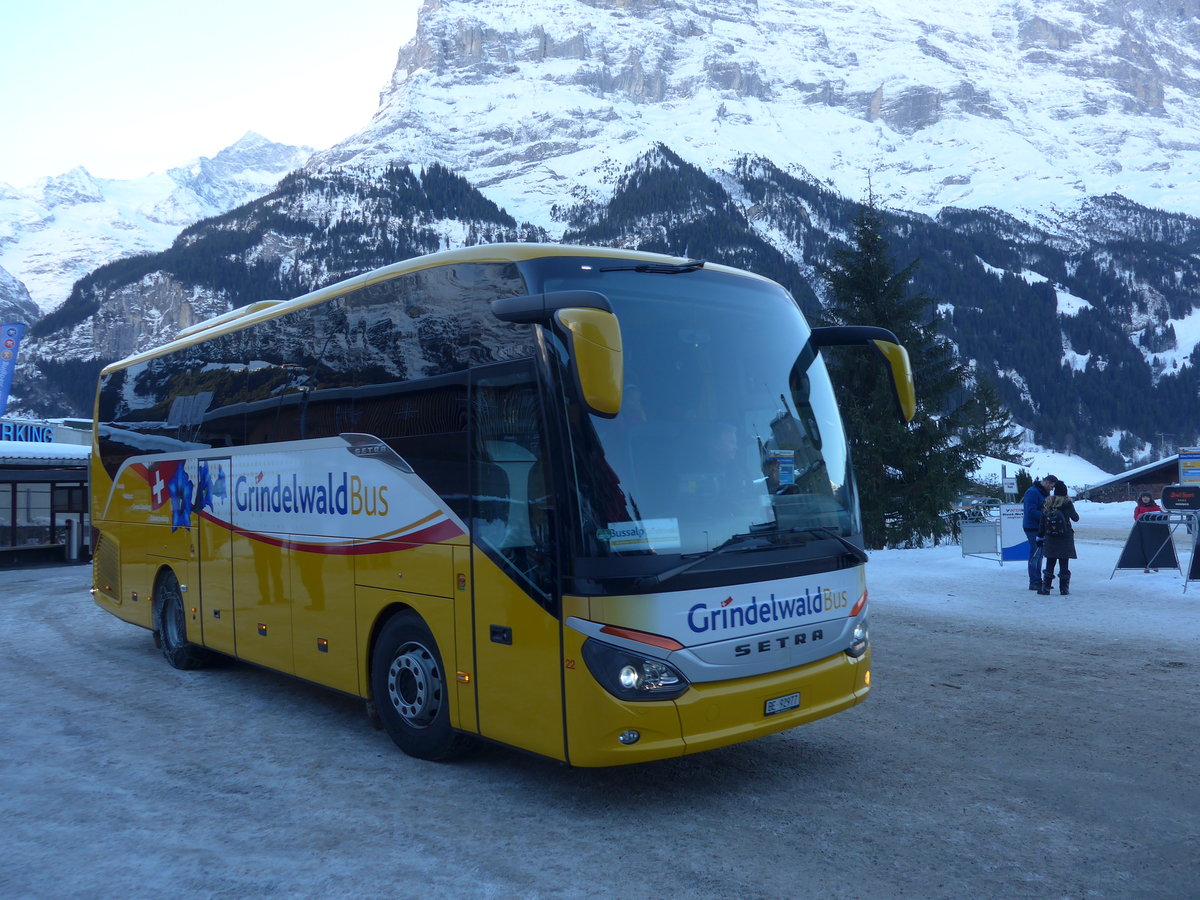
point(782, 704)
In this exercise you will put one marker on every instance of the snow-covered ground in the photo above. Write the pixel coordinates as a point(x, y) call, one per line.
point(1014, 746)
point(1102, 601)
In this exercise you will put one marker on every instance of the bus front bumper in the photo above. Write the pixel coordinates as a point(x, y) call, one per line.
point(601, 729)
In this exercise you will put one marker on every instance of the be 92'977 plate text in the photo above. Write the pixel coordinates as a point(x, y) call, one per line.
point(782, 704)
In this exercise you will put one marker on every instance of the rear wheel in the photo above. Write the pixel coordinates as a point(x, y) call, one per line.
point(411, 690)
point(172, 626)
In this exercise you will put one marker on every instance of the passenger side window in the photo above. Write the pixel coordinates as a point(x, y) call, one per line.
point(186, 400)
point(512, 504)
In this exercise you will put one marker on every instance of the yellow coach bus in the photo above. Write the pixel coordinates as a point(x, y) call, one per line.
point(590, 503)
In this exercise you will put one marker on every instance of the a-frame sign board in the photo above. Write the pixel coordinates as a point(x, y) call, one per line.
point(1149, 545)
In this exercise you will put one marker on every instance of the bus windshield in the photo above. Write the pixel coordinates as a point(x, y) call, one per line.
point(729, 435)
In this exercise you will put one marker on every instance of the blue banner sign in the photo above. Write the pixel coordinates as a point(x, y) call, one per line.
point(10, 343)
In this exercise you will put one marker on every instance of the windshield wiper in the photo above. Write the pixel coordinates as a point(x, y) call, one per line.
point(854, 550)
point(750, 544)
point(737, 542)
point(658, 268)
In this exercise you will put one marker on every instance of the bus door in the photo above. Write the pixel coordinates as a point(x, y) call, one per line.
point(215, 556)
point(518, 641)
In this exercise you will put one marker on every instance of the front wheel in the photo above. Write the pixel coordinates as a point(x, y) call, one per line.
point(411, 690)
point(172, 627)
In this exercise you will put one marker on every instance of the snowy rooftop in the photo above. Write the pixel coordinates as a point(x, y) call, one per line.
point(1133, 473)
point(29, 453)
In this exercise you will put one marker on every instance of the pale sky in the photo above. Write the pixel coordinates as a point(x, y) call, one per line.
point(129, 87)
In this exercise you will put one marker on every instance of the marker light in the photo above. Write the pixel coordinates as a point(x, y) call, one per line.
point(861, 639)
point(643, 637)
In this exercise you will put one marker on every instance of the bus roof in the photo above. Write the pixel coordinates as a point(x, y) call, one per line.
point(261, 310)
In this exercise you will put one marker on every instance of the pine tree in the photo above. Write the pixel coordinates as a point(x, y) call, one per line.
point(908, 475)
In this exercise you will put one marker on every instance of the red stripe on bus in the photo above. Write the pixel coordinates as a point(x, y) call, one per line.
point(434, 534)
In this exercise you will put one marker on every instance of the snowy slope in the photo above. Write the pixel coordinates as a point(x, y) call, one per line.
point(59, 229)
point(1076, 471)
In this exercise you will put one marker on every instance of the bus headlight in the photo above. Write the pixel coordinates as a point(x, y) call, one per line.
point(631, 676)
point(860, 640)
point(628, 676)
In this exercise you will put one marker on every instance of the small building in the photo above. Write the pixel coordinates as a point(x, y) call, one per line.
point(1152, 477)
point(44, 515)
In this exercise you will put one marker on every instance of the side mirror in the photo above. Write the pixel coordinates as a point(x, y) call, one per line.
point(888, 347)
point(593, 337)
point(597, 360)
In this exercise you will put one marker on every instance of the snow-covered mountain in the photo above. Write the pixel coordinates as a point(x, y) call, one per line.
point(58, 229)
point(1020, 148)
point(1021, 105)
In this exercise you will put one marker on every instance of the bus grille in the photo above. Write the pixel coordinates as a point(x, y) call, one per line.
point(106, 565)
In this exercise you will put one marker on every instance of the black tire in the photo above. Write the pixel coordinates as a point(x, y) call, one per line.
point(172, 626)
point(411, 690)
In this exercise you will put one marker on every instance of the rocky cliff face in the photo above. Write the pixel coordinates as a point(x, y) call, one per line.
point(1012, 104)
point(15, 304)
point(146, 314)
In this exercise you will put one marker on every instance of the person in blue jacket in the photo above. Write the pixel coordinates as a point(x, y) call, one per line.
point(1034, 498)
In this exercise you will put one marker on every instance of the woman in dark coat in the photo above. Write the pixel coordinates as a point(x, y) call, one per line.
point(1058, 548)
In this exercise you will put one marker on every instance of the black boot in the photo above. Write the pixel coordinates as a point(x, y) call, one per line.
point(1064, 582)
point(1047, 579)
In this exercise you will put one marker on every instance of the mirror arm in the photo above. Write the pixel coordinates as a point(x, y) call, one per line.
point(539, 309)
point(846, 335)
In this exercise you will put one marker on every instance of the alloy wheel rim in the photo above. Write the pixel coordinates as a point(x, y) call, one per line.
point(414, 685)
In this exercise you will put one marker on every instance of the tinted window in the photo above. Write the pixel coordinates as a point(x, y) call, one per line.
point(374, 361)
point(291, 362)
